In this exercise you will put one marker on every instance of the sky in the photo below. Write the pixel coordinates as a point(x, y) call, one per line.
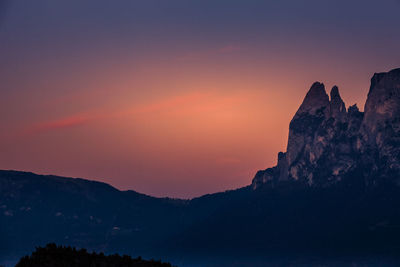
point(176, 98)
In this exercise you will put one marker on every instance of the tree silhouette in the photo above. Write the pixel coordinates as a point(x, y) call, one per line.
point(66, 256)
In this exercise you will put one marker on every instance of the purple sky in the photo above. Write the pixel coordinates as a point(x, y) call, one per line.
point(176, 98)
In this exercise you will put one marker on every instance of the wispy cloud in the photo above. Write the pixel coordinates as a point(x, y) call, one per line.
point(169, 103)
point(79, 119)
point(61, 123)
point(205, 102)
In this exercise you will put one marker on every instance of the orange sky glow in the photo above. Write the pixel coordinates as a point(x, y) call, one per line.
point(174, 104)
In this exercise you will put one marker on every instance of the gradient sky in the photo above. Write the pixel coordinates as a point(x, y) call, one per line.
point(176, 97)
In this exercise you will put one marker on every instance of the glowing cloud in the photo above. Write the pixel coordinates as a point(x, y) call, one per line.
point(67, 122)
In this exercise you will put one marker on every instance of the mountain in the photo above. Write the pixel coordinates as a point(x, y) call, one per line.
point(37, 209)
point(333, 198)
point(328, 143)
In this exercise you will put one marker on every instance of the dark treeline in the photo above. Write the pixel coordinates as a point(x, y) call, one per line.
point(65, 256)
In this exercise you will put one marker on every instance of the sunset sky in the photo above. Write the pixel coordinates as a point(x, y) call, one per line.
point(176, 98)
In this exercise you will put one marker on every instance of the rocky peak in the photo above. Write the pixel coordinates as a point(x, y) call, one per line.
point(316, 100)
point(380, 129)
point(353, 109)
point(383, 102)
point(354, 119)
point(311, 113)
point(337, 106)
point(327, 144)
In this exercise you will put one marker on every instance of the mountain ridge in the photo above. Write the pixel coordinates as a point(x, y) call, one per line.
point(333, 192)
point(82, 180)
point(324, 132)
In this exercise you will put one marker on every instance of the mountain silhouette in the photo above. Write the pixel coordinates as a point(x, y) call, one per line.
point(333, 195)
point(328, 144)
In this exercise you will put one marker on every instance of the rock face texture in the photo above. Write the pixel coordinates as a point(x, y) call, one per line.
point(380, 130)
point(328, 143)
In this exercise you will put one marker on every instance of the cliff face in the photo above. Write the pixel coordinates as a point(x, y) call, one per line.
point(327, 142)
point(380, 131)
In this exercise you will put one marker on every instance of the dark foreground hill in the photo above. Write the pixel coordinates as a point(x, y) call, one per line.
point(58, 256)
point(36, 210)
point(334, 195)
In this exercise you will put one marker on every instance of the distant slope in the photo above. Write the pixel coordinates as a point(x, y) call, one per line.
point(344, 219)
point(37, 209)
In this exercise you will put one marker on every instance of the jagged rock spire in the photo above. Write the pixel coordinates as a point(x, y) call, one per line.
point(312, 112)
point(380, 128)
point(315, 100)
point(353, 109)
point(383, 102)
point(327, 144)
point(337, 106)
